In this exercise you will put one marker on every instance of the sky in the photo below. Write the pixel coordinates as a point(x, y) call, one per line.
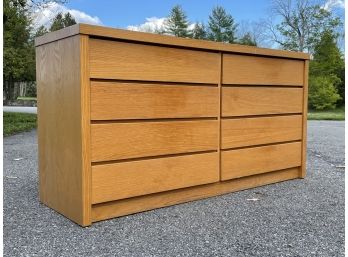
point(142, 15)
point(134, 12)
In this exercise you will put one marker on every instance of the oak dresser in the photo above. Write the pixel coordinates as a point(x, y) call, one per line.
point(131, 121)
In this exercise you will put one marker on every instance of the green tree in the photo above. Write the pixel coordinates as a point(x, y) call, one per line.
point(199, 31)
point(177, 23)
point(302, 24)
point(62, 21)
point(41, 31)
point(247, 39)
point(322, 92)
point(69, 20)
point(57, 23)
point(222, 27)
point(18, 48)
point(327, 65)
point(327, 57)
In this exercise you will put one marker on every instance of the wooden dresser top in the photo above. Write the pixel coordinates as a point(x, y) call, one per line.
point(164, 40)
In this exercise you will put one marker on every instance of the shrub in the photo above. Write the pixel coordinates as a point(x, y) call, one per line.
point(322, 92)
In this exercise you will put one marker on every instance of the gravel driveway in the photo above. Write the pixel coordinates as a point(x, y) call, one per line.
point(293, 218)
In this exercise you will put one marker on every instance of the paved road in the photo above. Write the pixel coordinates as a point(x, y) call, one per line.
point(293, 218)
point(22, 109)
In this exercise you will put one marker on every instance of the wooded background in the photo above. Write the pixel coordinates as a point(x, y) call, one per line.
point(304, 25)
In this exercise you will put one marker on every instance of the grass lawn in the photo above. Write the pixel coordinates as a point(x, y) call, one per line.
point(25, 98)
point(337, 114)
point(18, 122)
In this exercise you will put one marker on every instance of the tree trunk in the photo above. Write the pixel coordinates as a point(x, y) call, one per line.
point(9, 90)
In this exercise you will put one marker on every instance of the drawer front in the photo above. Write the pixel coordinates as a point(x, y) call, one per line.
point(239, 101)
point(256, 160)
point(257, 131)
point(119, 60)
point(252, 70)
point(115, 100)
point(128, 179)
point(112, 141)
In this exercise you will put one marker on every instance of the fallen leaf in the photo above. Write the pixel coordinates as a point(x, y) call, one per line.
point(253, 199)
point(11, 177)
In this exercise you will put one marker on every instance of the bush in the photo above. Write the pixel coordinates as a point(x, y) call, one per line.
point(322, 92)
point(31, 89)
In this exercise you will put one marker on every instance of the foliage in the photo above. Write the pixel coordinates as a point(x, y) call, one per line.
point(31, 89)
point(199, 31)
point(341, 86)
point(62, 21)
point(247, 39)
point(19, 50)
point(327, 57)
point(302, 24)
point(222, 27)
point(18, 122)
point(308, 27)
point(177, 23)
point(41, 31)
point(327, 63)
point(19, 55)
point(322, 92)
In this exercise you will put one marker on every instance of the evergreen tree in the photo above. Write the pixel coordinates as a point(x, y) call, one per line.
point(199, 31)
point(18, 46)
point(177, 23)
point(41, 31)
point(18, 57)
point(247, 39)
point(326, 70)
point(58, 22)
point(69, 20)
point(62, 21)
point(222, 27)
point(327, 58)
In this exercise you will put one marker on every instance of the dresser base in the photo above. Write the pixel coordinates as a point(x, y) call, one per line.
point(123, 207)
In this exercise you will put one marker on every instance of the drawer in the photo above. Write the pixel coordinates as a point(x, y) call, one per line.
point(128, 179)
point(115, 100)
point(256, 160)
point(253, 70)
point(113, 141)
point(257, 131)
point(128, 61)
point(239, 101)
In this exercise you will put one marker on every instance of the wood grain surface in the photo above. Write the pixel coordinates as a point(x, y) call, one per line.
point(85, 131)
point(260, 130)
point(255, 160)
point(128, 179)
point(118, 60)
point(240, 101)
point(304, 120)
point(115, 100)
point(147, 202)
point(112, 141)
point(63, 180)
point(251, 70)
